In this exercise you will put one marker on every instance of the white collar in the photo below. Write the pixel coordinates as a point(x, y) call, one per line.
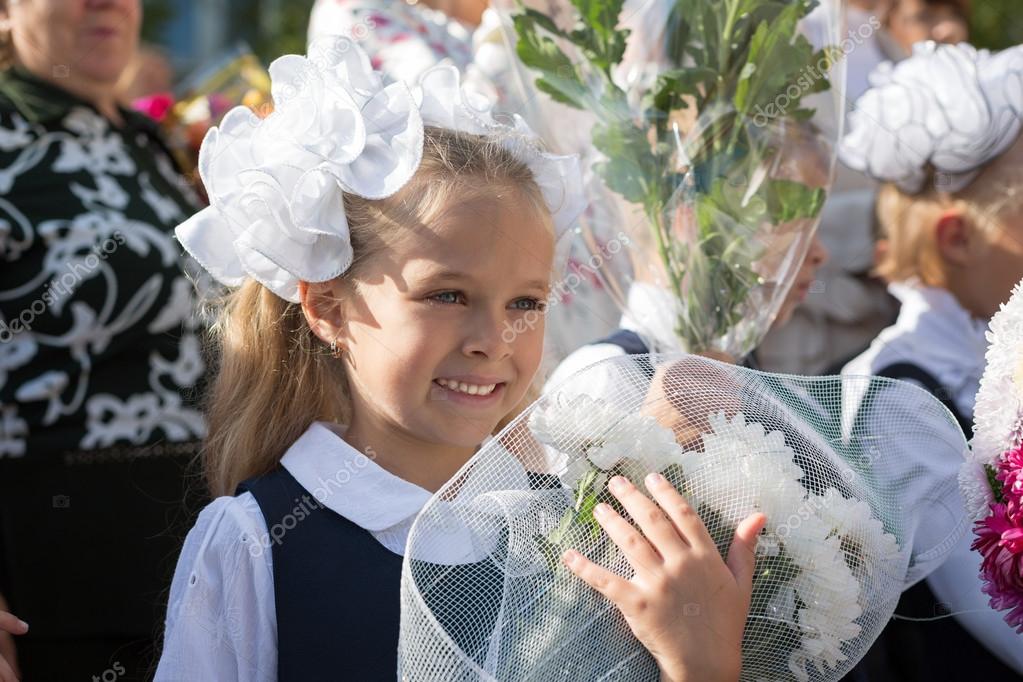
point(350, 483)
point(651, 312)
point(945, 338)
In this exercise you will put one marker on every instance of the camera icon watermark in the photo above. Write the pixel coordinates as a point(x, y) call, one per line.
point(61, 502)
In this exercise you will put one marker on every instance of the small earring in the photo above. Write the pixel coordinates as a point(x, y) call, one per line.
point(334, 350)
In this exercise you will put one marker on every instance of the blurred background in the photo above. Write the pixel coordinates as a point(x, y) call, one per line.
point(194, 31)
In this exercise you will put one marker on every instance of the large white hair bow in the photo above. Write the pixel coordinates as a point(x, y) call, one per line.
point(275, 184)
point(947, 110)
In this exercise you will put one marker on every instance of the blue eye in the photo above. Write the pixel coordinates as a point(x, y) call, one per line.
point(451, 297)
point(529, 304)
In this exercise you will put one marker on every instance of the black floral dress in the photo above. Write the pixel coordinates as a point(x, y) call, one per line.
point(100, 371)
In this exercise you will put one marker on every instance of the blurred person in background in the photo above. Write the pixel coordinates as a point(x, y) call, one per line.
point(100, 356)
point(847, 306)
point(912, 21)
point(403, 39)
point(951, 213)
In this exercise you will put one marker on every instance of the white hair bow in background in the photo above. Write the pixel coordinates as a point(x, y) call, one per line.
point(948, 110)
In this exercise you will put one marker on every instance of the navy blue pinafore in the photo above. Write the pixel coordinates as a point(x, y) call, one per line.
point(336, 589)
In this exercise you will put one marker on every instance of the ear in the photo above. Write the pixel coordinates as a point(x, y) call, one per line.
point(954, 238)
point(321, 305)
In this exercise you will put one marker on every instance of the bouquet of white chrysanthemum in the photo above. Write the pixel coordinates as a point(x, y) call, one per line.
point(836, 552)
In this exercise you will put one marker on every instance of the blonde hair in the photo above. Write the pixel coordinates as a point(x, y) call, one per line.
point(906, 221)
point(275, 376)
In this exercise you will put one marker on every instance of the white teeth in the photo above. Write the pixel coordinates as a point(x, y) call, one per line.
point(470, 389)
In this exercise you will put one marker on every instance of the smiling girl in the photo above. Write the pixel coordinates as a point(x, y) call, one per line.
point(378, 258)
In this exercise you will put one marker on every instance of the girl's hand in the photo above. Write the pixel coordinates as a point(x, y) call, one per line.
point(684, 604)
point(9, 625)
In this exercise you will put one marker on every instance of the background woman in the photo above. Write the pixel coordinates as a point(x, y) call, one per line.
point(99, 351)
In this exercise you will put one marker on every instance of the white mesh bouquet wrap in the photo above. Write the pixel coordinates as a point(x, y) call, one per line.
point(850, 522)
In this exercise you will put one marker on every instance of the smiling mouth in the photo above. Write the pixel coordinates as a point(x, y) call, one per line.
point(466, 388)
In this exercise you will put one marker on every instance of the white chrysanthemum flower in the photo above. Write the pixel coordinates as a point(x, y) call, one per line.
point(731, 438)
point(999, 406)
point(751, 469)
point(829, 593)
point(610, 435)
point(864, 534)
point(570, 426)
point(976, 490)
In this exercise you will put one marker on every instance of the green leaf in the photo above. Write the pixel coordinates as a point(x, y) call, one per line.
point(585, 483)
point(597, 32)
point(550, 551)
point(788, 200)
point(672, 86)
point(781, 57)
point(630, 162)
point(560, 79)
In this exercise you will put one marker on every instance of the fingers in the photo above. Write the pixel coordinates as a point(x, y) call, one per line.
point(634, 546)
point(680, 512)
point(614, 587)
point(6, 673)
point(742, 553)
point(650, 518)
point(12, 624)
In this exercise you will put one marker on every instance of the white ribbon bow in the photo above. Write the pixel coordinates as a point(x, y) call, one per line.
point(949, 109)
point(276, 212)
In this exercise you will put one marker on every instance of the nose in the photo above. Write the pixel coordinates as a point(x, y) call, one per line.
point(488, 335)
point(949, 31)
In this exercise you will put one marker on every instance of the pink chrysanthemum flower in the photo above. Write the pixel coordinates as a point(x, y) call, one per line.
point(1000, 542)
point(1010, 473)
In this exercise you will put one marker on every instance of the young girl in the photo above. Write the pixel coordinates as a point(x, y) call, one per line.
point(951, 213)
point(380, 242)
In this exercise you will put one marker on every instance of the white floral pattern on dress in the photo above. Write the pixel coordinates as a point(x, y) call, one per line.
point(108, 288)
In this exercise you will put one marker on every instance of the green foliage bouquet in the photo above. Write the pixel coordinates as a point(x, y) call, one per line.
point(717, 119)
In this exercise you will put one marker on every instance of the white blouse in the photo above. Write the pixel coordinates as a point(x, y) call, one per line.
point(221, 621)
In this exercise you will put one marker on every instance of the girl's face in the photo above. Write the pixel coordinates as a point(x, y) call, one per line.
point(90, 40)
point(445, 332)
